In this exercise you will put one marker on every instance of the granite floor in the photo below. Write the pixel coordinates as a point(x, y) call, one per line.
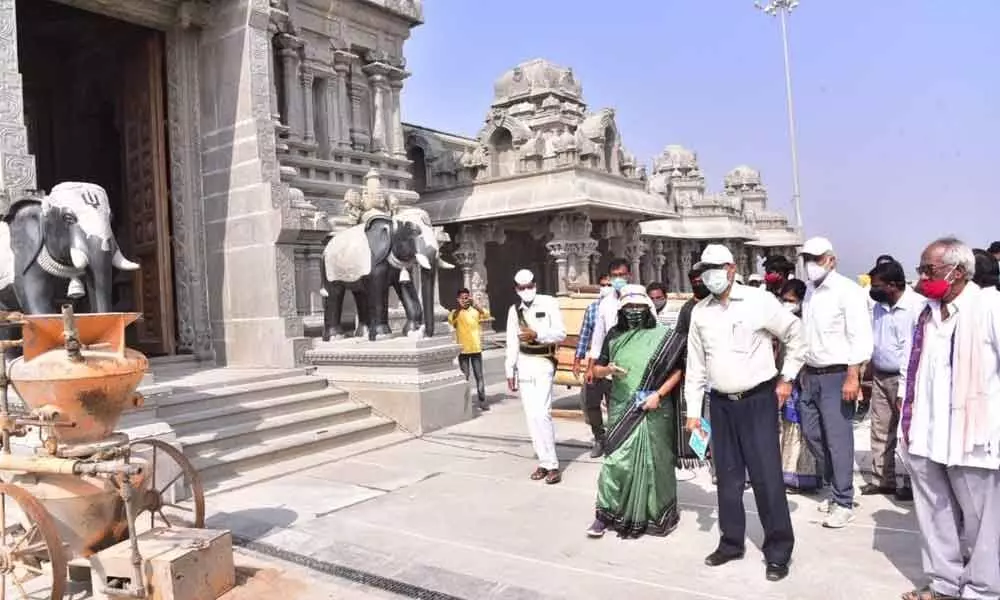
point(455, 513)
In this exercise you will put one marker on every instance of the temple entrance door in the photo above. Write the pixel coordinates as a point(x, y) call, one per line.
point(146, 194)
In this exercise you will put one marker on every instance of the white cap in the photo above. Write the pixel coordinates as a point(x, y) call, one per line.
point(634, 294)
point(523, 277)
point(714, 255)
point(817, 246)
point(755, 277)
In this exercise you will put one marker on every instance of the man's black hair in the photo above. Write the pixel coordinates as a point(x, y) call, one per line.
point(795, 286)
point(995, 248)
point(694, 273)
point(463, 291)
point(987, 269)
point(656, 285)
point(884, 259)
point(617, 263)
point(889, 272)
point(778, 264)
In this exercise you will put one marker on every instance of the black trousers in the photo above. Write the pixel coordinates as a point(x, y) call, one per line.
point(474, 362)
point(745, 440)
point(593, 395)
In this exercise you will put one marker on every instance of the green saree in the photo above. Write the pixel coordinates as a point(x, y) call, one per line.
point(637, 488)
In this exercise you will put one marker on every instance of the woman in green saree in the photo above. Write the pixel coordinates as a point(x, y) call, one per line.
point(637, 488)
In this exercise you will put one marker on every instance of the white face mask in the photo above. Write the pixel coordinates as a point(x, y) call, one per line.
point(816, 272)
point(526, 295)
point(605, 290)
point(716, 280)
point(792, 307)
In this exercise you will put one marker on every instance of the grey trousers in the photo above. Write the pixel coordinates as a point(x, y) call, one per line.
point(885, 420)
point(828, 426)
point(958, 511)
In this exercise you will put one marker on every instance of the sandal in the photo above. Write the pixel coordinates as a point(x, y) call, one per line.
point(927, 593)
point(539, 474)
point(554, 476)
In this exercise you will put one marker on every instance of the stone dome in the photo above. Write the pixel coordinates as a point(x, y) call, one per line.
point(675, 157)
point(536, 78)
point(743, 176)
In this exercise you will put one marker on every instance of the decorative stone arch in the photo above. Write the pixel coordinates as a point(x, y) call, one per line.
point(519, 132)
point(601, 128)
point(422, 151)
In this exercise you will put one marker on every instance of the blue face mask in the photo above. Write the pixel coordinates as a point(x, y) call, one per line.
point(618, 283)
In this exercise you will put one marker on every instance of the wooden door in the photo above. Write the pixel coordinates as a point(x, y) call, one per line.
point(146, 195)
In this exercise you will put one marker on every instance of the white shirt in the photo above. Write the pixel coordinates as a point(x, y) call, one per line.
point(891, 326)
point(730, 347)
point(607, 317)
point(931, 422)
point(544, 317)
point(664, 316)
point(836, 323)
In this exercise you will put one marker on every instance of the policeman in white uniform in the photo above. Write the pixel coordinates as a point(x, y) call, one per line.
point(534, 330)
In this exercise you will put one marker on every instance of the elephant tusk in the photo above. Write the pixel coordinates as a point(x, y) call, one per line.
point(122, 263)
point(423, 262)
point(79, 258)
point(443, 264)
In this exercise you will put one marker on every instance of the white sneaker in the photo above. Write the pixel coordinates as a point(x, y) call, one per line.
point(839, 517)
point(824, 506)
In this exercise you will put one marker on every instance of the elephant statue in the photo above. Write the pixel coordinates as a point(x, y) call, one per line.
point(59, 247)
point(368, 259)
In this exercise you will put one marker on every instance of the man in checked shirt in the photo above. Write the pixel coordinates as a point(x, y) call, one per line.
point(595, 391)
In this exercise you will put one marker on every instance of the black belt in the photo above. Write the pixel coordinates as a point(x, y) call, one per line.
point(760, 387)
point(825, 370)
point(881, 373)
point(537, 350)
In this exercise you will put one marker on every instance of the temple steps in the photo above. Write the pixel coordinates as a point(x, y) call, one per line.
point(240, 425)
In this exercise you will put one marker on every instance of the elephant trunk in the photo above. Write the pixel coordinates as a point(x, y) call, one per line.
point(428, 283)
point(100, 270)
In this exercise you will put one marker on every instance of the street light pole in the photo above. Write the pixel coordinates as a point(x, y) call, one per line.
point(782, 8)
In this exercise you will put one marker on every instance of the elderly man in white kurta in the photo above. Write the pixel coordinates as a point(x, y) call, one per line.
point(534, 329)
point(950, 427)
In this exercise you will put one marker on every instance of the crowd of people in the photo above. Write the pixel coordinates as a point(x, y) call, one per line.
point(775, 367)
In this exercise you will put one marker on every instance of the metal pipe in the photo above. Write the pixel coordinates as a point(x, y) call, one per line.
point(106, 468)
point(791, 121)
point(138, 585)
point(70, 334)
point(38, 464)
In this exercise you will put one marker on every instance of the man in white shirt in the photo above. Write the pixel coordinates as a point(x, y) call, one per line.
point(894, 314)
point(950, 426)
point(838, 332)
point(534, 330)
point(731, 352)
point(607, 311)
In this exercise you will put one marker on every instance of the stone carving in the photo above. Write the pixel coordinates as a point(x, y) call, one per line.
point(376, 253)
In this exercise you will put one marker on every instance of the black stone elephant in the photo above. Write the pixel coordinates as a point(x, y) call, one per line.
point(368, 259)
point(57, 248)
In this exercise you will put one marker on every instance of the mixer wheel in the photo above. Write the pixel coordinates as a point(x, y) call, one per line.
point(161, 499)
point(29, 558)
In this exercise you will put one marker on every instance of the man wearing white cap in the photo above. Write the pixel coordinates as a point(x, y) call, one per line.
point(534, 330)
point(730, 353)
point(838, 333)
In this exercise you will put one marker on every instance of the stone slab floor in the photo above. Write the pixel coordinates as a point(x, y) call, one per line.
point(455, 512)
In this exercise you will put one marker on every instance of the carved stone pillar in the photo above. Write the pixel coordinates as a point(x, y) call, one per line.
point(687, 249)
point(659, 259)
point(308, 108)
point(315, 277)
point(341, 66)
point(558, 253)
point(380, 89)
point(634, 249)
point(396, 114)
point(275, 53)
point(614, 232)
point(675, 276)
point(360, 136)
point(490, 233)
point(331, 119)
point(290, 47)
point(466, 254)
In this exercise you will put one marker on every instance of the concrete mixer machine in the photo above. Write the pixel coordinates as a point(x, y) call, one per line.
point(81, 487)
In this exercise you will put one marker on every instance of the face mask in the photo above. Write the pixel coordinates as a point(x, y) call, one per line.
point(715, 280)
point(659, 304)
point(526, 295)
point(792, 307)
point(700, 291)
point(618, 283)
point(936, 289)
point(605, 290)
point(634, 316)
point(815, 272)
point(879, 295)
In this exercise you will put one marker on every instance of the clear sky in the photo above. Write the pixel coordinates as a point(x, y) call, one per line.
point(897, 101)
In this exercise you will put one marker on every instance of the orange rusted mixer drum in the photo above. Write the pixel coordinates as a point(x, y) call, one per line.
point(88, 388)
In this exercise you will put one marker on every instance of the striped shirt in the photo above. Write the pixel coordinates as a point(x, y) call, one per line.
point(587, 329)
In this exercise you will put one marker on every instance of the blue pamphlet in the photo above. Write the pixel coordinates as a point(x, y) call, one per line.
point(639, 398)
point(700, 438)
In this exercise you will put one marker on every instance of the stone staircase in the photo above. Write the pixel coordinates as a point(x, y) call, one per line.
point(233, 421)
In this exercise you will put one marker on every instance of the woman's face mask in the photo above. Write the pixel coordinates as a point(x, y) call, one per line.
point(635, 315)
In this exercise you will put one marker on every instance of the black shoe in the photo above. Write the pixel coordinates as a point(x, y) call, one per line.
point(484, 406)
point(870, 489)
point(904, 494)
point(776, 571)
point(597, 450)
point(719, 558)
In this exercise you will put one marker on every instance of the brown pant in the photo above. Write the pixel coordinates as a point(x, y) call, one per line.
point(885, 420)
